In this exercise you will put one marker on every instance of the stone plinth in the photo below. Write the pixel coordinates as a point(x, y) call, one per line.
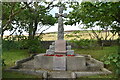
point(60, 74)
point(51, 49)
point(43, 62)
point(60, 63)
point(76, 63)
point(60, 67)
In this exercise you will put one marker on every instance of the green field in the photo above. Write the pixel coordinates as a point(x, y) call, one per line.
point(13, 55)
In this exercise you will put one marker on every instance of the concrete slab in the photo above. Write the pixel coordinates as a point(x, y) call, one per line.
point(44, 62)
point(70, 52)
point(59, 63)
point(90, 73)
point(27, 71)
point(50, 51)
point(76, 63)
point(94, 65)
point(28, 65)
point(59, 74)
point(69, 47)
point(52, 47)
point(76, 66)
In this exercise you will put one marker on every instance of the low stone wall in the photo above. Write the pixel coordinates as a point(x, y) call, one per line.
point(109, 42)
point(46, 44)
point(18, 63)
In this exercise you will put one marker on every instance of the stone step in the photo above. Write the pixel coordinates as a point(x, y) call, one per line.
point(52, 47)
point(94, 65)
point(28, 65)
point(60, 74)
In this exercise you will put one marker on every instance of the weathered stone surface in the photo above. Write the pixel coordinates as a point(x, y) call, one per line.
point(50, 51)
point(73, 75)
point(69, 47)
point(65, 15)
point(28, 65)
point(71, 52)
point(44, 62)
point(60, 47)
point(52, 47)
point(60, 74)
point(56, 15)
point(94, 65)
point(27, 71)
point(60, 28)
point(76, 63)
point(53, 43)
point(45, 75)
point(59, 63)
point(90, 73)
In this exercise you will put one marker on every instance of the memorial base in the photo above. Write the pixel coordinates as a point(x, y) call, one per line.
point(60, 66)
point(69, 63)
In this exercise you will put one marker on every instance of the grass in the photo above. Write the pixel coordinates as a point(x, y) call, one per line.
point(98, 53)
point(100, 76)
point(17, 75)
point(10, 58)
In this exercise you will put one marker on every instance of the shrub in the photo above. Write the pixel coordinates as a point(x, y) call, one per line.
point(3, 62)
point(13, 42)
point(84, 43)
point(113, 61)
point(9, 44)
point(33, 46)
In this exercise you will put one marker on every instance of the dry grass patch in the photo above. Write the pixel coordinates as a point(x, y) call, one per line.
point(78, 36)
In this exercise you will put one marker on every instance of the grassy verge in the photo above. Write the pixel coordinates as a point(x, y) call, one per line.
point(98, 53)
point(100, 76)
point(17, 75)
point(10, 58)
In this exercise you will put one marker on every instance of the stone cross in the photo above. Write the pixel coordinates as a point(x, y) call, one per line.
point(60, 23)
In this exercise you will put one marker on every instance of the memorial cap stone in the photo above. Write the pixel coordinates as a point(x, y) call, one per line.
point(60, 46)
